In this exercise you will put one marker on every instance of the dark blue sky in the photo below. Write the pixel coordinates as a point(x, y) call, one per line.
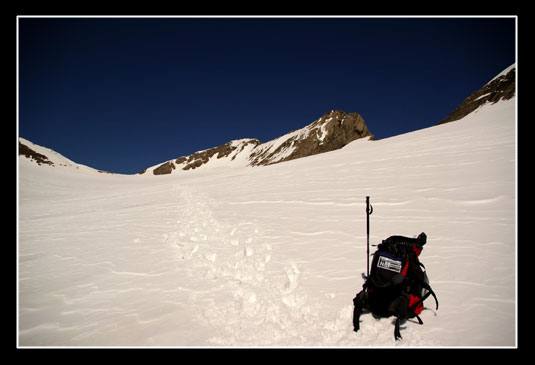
point(123, 94)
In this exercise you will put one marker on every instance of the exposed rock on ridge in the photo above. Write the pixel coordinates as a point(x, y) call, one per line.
point(202, 157)
point(230, 149)
point(502, 87)
point(32, 155)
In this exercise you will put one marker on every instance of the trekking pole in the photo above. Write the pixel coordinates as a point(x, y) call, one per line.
point(369, 210)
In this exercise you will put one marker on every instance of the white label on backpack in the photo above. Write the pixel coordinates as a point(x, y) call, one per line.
point(389, 264)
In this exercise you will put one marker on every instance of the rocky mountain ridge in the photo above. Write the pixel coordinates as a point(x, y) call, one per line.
point(502, 87)
point(229, 150)
point(330, 132)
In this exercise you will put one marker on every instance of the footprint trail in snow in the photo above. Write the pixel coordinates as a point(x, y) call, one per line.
point(246, 296)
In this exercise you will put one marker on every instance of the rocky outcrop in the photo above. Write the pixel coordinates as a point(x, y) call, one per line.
point(31, 154)
point(501, 87)
point(165, 168)
point(45, 156)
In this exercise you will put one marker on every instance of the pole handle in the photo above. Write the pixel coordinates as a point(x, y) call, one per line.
point(369, 207)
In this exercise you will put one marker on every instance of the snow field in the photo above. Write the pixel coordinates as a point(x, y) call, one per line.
point(92, 288)
point(455, 182)
point(273, 256)
point(249, 303)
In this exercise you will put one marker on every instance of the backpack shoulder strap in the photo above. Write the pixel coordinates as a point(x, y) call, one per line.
point(429, 292)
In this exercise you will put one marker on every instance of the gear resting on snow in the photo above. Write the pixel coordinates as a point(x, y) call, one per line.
point(397, 285)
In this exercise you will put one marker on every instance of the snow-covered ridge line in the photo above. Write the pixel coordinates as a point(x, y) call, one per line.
point(30, 152)
point(332, 131)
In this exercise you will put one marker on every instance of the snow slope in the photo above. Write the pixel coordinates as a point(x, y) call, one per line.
point(273, 255)
point(56, 160)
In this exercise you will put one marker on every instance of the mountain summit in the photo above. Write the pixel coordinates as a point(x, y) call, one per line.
point(330, 132)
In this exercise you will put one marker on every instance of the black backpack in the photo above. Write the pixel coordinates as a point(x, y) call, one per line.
point(397, 284)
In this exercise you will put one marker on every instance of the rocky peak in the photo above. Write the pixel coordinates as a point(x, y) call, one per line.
point(332, 131)
point(502, 87)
